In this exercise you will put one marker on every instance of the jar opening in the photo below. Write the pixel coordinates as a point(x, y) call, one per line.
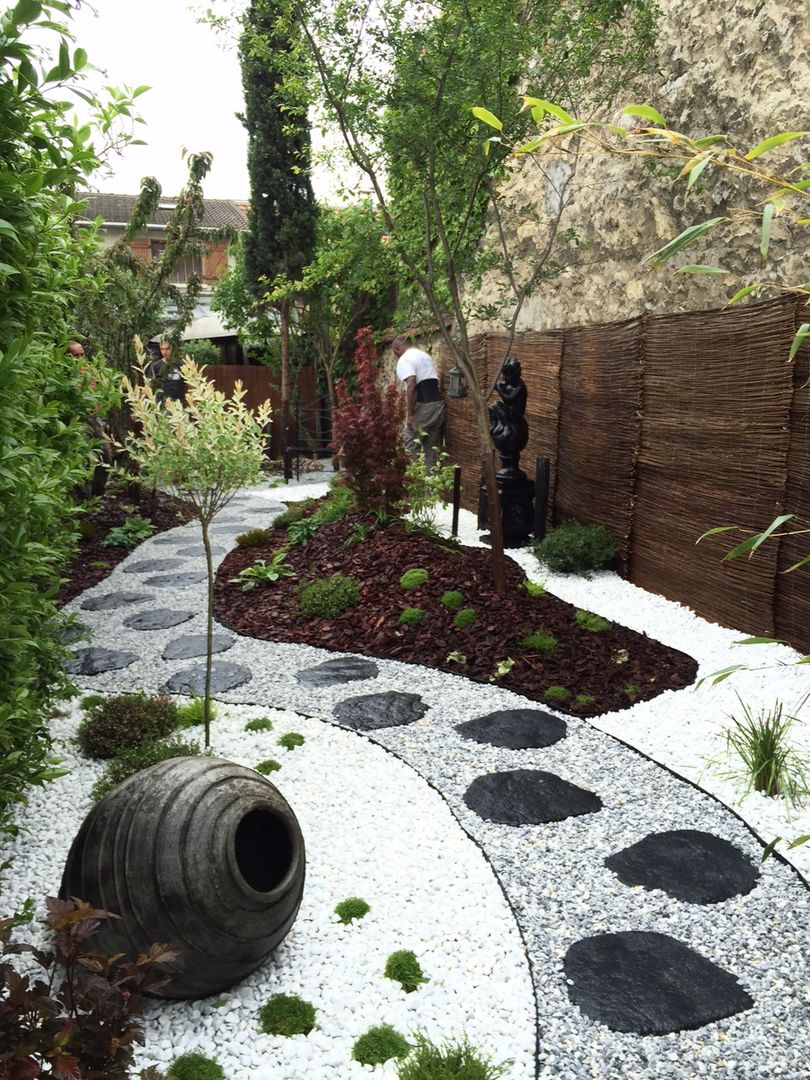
point(263, 849)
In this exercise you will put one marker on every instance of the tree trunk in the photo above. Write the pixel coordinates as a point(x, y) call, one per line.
point(284, 348)
point(209, 562)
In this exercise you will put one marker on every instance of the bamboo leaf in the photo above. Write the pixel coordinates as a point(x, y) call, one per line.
point(715, 531)
point(701, 268)
point(711, 140)
point(765, 239)
point(798, 565)
point(645, 111)
point(769, 144)
point(720, 676)
point(529, 147)
point(750, 545)
point(799, 840)
point(486, 117)
point(745, 291)
point(550, 107)
point(760, 641)
point(769, 848)
point(798, 338)
point(682, 240)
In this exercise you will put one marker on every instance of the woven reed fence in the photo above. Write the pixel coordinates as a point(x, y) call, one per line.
point(662, 427)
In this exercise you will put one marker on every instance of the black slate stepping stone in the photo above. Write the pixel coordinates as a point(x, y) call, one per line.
point(528, 797)
point(224, 676)
point(198, 550)
point(72, 632)
point(515, 729)
point(344, 669)
point(190, 645)
point(157, 619)
point(370, 712)
point(170, 539)
point(148, 566)
point(176, 581)
point(94, 660)
point(110, 601)
point(649, 984)
point(687, 864)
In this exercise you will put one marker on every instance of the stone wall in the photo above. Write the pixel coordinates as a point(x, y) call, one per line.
point(741, 68)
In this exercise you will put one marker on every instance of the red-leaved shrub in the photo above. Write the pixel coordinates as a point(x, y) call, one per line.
point(367, 434)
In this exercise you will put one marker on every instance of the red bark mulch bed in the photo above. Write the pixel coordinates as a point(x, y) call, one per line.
point(614, 667)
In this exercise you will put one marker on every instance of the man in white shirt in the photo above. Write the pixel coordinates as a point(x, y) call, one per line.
point(424, 415)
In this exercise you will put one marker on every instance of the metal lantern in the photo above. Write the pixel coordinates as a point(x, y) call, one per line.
point(456, 383)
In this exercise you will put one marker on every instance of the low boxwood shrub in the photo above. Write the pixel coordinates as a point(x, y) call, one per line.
point(453, 600)
point(268, 766)
point(540, 640)
point(291, 740)
point(195, 1067)
point(259, 723)
point(380, 1044)
point(286, 1014)
point(557, 693)
point(326, 598)
point(573, 548)
point(403, 967)
point(253, 538)
point(354, 907)
point(452, 1061)
point(412, 579)
point(410, 616)
point(464, 618)
point(129, 762)
point(588, 620)
point(125, 721)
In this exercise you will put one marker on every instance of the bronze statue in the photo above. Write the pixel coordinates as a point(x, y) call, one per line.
point(507, 422)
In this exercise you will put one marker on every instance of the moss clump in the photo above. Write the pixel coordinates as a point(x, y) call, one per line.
point(291, 740)
point(286, 1014)
point(534, 588)
point(403, 967)
point(194, 713)
point(267, 767)
point(410, 616)
point(326, 598)
point(588, 620)
point(412, 579)
point(195, 1067)
point(581, 701)
point(253, 538)
point(380, 1044)
point(540, 641)
point(464, 618)
point(576, 549)
point(352, 908)
point(557, 693)
point(124, 722)
point(259, 723)
point(453, 600)
point(453, 1061)
point(129, 762)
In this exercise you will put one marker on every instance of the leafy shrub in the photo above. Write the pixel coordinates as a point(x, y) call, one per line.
point(367, 433)
point(125, 721)
point(259, 723)
point(268, 766)
point(540, 641)
point(464, 618)
point(573, 548)
point(352, 908)
point(425, 489)
point(286, 1014)
point(534, 588)
point(452, 1061)
point(263, 572)
point(81, 1018)
point(326, 598)
point(253, 538)
point(769, 764)
point(412, 579)
point(403, 967)
point(202, 351)
point(193, 713)
point(196, 1067)
point(132, 532)
point(291, 740)
point(380, 1044)
point(129, 762)
point(588, 620)
point(452, 600)
point(557, 693)
point(410, 616)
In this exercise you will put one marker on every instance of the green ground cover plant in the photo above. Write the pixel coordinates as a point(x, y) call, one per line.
point(380, 1044)
point(253, 538)
point(286, 1014)
point(540, 640)
point(403, 967)
point(354, 907)
point(557, 693)
point(450, 1061)
point(328, 597)
point(259, 723)
point(263, 572)
point(131, 533)
point(767, 762)
point(268, 766)
point(291, 740)
point(453, 600)
point(196, 1067)
point(128, 762)
point(582, 701)
point(464, 618)
point(295, 512)
point(534, 588)
point(193, 713)
point(412, 579)
point(124, 722)
point(588, 620)
point(573, 548)
point(411, 616)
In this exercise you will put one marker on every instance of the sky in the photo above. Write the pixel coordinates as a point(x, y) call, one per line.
point(196, 91)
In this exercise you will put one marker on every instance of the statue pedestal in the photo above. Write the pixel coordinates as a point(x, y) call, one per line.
point(517, 508)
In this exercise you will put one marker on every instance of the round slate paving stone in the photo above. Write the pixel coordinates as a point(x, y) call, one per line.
point(515, 729)
point(184, 648)
point(110, 601)
point(687, 864)
point(148, 566)
point(344, 669)
point(197, 550)
point(170, 539)
point(224, 676)
point(649, 984)
point(93, 660)
point(157, 619)
point(528, 797)
point(177, 581)
point(370, 712)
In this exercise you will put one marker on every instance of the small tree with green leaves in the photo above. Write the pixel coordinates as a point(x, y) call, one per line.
point(206, 449)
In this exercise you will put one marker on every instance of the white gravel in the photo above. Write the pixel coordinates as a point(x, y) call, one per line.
point(375, 829)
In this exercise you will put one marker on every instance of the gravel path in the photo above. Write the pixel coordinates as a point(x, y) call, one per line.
point(505, 974)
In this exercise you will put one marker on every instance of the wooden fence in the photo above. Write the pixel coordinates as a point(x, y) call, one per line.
point(662, 427)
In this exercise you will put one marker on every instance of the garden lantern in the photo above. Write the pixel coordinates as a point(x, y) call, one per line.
point(456, 383)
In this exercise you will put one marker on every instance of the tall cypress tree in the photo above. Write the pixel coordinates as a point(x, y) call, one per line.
point(281, 223)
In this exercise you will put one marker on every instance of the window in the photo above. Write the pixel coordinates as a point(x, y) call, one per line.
point(191, 264)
